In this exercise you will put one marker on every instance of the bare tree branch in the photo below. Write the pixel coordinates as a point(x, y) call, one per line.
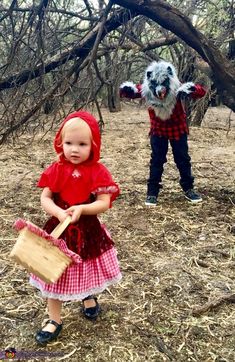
point(50, 10)
point(80, 50)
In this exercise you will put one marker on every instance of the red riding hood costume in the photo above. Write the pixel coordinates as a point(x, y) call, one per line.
point(71, 185)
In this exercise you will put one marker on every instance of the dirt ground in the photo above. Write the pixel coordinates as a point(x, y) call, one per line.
point(176, 299)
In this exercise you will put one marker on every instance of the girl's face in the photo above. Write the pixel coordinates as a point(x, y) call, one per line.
point(77, 145)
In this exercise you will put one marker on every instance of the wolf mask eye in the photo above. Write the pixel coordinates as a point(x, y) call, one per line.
point(149, 74)
point(153, 83)
point(166, 82)
point(169, 71)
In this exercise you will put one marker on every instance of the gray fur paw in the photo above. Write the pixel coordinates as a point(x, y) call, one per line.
point(185, 90)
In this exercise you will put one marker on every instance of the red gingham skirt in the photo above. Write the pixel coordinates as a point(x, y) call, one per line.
point(82, 279)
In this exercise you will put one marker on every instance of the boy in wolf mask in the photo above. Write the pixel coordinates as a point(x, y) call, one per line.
point(164, 95)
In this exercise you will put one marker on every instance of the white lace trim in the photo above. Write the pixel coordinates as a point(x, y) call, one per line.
point(106, 189)
point(75, 297)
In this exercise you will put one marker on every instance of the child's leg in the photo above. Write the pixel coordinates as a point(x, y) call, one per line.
point(182, 160)
point(91, 308)
point(54, 310)
point(89, 303)
point(159, 146)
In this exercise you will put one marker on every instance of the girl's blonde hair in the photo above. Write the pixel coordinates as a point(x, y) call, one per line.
point(75, 124)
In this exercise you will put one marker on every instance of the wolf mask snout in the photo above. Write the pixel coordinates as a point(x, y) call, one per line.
point(161, 92)
point(158, 90)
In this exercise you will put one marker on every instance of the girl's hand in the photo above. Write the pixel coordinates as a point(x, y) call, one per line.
point(61, 215)
point(75, 212)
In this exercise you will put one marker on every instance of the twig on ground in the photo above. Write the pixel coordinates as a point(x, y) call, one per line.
point(197, 311)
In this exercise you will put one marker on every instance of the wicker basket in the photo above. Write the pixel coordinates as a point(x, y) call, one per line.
point(40, 256)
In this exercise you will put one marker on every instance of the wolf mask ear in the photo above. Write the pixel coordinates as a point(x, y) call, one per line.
point(169, 71)
point(149, 74)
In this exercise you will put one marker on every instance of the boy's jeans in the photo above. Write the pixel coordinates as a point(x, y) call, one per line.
point(182, 159)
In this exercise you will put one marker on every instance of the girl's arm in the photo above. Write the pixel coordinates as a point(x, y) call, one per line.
point(100, 205)
point(50, 207)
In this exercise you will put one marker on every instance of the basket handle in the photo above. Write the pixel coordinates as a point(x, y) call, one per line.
point(61, 227)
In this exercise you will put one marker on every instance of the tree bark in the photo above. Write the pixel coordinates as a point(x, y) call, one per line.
point(113, 99)
point(223, 72)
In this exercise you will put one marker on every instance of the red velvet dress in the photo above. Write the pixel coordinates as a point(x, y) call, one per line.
point(97, 266)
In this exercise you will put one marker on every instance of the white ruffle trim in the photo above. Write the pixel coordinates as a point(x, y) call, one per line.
point(75, 297)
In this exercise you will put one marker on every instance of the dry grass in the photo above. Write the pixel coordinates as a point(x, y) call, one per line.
point(176, 299)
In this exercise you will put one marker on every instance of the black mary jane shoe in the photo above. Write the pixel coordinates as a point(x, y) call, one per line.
point(92, 312)
point(43, 337)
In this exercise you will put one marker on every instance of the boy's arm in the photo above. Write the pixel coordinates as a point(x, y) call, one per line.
point(191, 90)
point(199, 91)
point(130, 90)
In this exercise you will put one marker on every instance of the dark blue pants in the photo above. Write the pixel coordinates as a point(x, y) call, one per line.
point(182, 159)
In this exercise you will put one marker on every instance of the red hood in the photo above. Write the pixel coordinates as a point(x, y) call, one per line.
point(94, 127)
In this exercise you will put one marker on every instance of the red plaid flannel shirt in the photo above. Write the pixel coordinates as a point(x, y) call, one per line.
point(176, 125)
point(171, 128)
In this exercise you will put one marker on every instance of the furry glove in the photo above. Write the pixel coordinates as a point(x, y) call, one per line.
point(128, 90)
point(185, 90)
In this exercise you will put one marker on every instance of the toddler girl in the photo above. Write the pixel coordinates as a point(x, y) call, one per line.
point(79, 186)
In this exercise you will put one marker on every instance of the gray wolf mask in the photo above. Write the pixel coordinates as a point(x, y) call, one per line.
point(161, 88)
